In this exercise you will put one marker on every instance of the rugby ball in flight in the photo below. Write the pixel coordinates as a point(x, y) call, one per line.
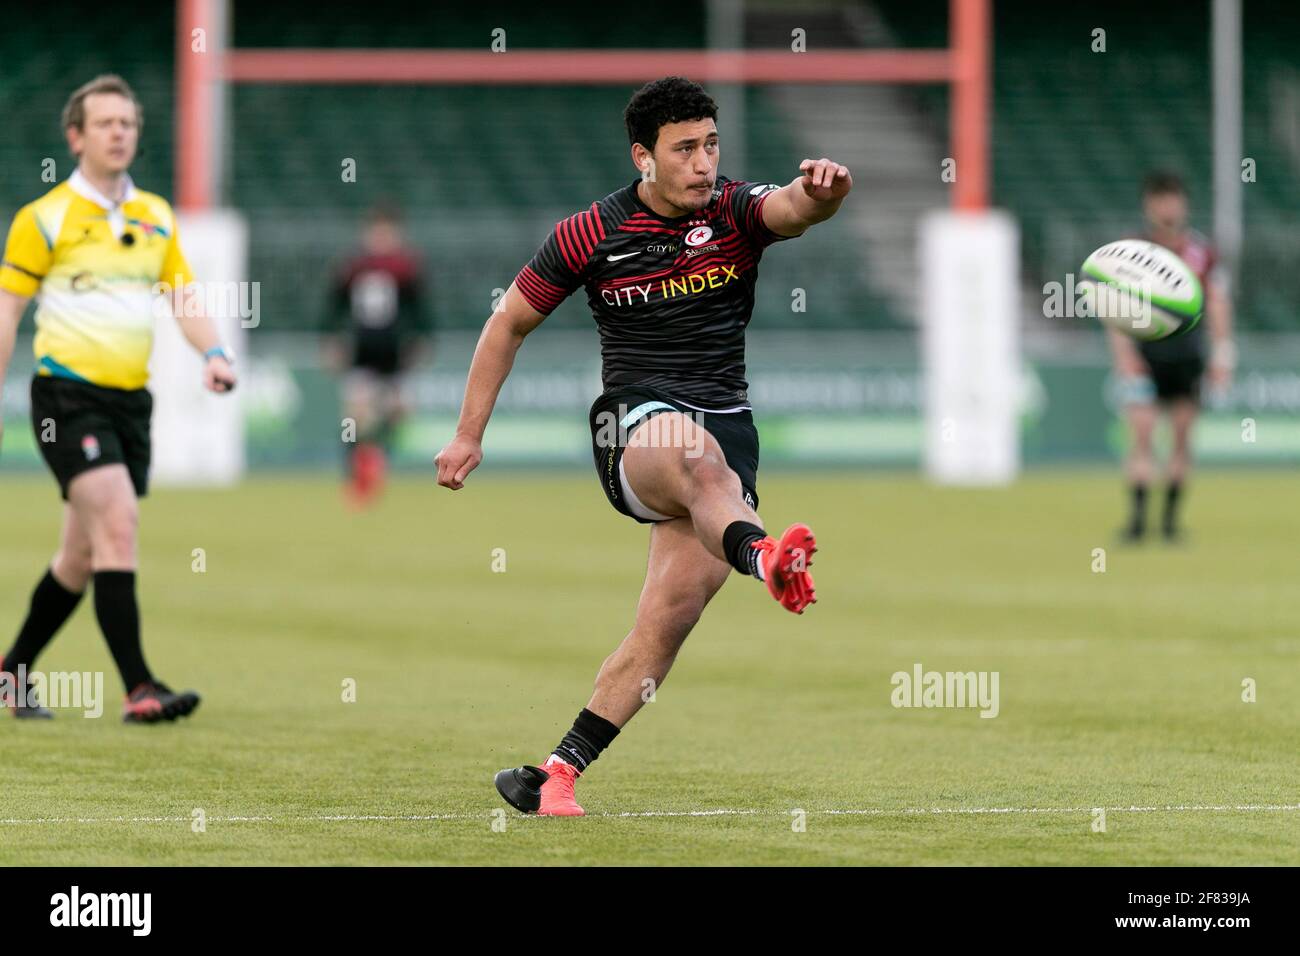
point(1142, 289)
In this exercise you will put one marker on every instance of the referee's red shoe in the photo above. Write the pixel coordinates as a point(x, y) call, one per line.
point(20, 702)
point(152, 701)
point(785, 567)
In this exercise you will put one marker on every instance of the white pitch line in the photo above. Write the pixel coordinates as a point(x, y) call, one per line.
point(632, 814)
point(910, 811)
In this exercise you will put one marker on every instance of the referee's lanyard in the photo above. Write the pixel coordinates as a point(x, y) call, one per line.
point(117, 221)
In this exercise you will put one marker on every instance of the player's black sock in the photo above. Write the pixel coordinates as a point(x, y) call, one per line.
point(52, 604)
point(1172, 494)
point(1138, 522)
point(589, 735)
point(119, 619)
point(736, 544)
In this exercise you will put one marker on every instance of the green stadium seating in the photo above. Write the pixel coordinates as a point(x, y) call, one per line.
point(483, 172)
point(1074, 131)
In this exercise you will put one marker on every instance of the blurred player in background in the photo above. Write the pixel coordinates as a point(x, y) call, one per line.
point(93, 250)
point(669, 264)
point(377, 325)
point(1167, 374)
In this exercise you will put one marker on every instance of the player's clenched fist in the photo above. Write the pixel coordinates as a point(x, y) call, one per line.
point(457, 459)
point(825, 179)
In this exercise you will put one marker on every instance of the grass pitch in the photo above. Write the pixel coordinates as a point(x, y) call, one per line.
point(1119, 690)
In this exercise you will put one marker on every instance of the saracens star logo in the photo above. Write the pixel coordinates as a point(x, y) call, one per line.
point(699, 236)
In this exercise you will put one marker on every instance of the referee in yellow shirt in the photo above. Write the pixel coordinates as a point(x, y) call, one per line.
point(93, 250)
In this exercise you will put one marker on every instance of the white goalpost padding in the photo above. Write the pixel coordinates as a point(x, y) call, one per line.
point(970, 346)
point(198, 436)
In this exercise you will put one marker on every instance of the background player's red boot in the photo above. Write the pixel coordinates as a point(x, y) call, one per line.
point(557, 791)
point(785, 567)
point(367, 477)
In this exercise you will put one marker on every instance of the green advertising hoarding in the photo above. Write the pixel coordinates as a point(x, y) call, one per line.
point(837, 399)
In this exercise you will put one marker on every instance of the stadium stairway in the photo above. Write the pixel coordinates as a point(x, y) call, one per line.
point(878, 132)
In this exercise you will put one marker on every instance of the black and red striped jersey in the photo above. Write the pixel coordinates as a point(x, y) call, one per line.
point(671, 297)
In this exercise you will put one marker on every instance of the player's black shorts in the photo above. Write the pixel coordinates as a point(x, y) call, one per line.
point(616, 414)
point(80, 426)
point(1179, 379)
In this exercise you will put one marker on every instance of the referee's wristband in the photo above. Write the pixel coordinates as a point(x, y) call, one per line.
point(220, 351)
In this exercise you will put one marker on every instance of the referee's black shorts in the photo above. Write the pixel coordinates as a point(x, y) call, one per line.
point(616, 414)
point(80, 426)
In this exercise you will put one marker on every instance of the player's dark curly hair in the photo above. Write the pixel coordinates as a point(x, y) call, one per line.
point(1160, 182)
point(674, 99)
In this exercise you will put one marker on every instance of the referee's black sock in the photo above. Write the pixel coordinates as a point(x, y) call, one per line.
point(119, 619)
point(589, 735)
point(52, 604)
point(737, 541)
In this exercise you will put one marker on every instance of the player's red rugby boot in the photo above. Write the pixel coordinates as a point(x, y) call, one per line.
point(785, 567)
point(545, 791)
point(557, 791)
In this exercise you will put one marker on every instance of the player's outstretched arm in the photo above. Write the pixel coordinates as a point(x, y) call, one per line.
point(812, 198)
point(494, 356)
point(11, 313)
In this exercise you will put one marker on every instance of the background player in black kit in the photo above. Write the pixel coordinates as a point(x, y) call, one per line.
point(1167, 373)
point(377, 322)
point(669, 264)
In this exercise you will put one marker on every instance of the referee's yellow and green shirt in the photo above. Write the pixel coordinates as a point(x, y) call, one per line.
point(93, 266)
